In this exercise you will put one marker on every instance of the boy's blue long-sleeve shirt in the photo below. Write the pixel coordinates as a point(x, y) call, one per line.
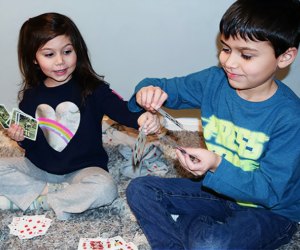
point(70, 134)
point(259, 141)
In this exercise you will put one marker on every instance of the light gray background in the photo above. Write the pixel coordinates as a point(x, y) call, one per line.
point(127, 39)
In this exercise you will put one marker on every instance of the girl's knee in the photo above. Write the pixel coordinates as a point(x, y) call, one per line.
point(101, 184)
point(106, 191)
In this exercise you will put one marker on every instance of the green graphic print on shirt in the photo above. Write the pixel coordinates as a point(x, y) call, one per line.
point(242, 147)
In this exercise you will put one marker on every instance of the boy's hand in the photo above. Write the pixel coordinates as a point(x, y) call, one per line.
point(16, 132)
point(151, 98)
point(206, 160)
point(150, 123)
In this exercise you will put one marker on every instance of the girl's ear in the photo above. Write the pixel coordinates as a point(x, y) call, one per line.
point(287, 58)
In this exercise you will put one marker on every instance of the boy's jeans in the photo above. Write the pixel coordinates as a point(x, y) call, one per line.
point(205, 221)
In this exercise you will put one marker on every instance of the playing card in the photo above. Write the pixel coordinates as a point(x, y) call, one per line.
point(175, 145)
point(4, 116)
point(130, 246)
point(27, 227)
point(115, 243)
point(28, 123)
point(139, 147)
point(91, 243)
point(169, 117)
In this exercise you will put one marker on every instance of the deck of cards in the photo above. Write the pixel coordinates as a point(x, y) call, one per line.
point(27, 122)
point(115, 243)
point(140, 143)
point(27, 227)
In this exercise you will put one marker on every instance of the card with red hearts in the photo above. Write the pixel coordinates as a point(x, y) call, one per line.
point(27, 227)
point(115, 243)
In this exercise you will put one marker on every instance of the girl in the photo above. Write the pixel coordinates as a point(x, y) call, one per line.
point(66, 165)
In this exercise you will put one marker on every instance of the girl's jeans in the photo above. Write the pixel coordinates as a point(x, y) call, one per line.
point(204, 220)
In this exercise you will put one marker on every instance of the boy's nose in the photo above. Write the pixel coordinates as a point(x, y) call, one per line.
point(231, 61)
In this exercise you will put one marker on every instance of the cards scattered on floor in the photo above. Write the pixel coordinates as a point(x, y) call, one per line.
point(115, 243)
point(27, 227)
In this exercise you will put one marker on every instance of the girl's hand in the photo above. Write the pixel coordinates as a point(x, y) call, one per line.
point(151, 98)
point(205, 160)
point(150, 123)
point(16, 132)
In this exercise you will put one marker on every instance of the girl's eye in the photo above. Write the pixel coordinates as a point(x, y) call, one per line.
point(67, 52)
point(48, 54)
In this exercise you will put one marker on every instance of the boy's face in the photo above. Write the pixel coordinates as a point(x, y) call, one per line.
point(250, 67)
point(57, 59)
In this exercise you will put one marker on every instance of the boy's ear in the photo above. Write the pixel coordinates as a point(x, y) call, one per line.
point(287, 57)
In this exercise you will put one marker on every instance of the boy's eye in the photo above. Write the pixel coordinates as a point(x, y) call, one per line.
point(226, 50)
point(246, 57)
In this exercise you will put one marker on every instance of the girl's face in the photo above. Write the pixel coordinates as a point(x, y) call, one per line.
point(250, 67)
point(57, 59)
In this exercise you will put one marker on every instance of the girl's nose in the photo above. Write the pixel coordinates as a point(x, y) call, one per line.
point(59, 60)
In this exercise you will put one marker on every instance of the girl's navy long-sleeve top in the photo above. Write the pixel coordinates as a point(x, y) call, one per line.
point(69, 136)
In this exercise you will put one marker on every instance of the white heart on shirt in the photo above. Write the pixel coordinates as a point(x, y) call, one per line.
point(59, 125)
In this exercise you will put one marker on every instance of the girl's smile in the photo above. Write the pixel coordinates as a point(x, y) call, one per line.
point(60, 72)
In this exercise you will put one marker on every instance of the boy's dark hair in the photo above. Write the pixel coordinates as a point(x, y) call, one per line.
point(276, 21)
point(35, 33)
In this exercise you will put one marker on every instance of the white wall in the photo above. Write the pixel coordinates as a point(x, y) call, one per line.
point(127, 39)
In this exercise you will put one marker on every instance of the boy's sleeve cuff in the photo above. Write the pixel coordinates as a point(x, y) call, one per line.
point(132, 104)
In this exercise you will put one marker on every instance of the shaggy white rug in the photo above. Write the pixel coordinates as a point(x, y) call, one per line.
point(105, 222)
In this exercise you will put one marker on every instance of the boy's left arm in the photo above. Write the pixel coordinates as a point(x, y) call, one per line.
point(274, 183)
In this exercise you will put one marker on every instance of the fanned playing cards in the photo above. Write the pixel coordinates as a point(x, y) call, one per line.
point(27, 227)
point(27, 122)
point(139, 147)
point(140, 143)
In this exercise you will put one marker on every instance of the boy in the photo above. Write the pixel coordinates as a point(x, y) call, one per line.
point(249, 195)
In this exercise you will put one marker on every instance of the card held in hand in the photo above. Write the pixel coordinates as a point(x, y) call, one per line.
point(169, 117)
point(139, 147)
point(4, 116)
point(27, 122)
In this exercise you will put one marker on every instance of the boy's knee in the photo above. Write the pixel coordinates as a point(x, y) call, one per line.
point(132, 187)
point(136, 188)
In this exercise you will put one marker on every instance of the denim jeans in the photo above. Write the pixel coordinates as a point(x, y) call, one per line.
point(205, 220)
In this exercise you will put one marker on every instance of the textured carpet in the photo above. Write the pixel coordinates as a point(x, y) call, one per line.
point(108, 221)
